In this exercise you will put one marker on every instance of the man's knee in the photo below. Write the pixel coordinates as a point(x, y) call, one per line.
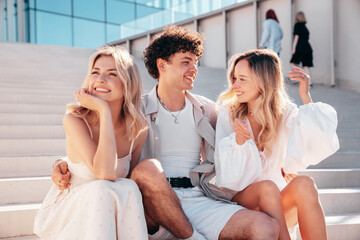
point(148, 172)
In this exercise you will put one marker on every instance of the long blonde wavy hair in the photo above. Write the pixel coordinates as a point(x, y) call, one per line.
point(131, 114)
point(269, 107)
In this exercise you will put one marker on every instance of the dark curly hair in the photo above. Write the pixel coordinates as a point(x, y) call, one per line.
point(171, 40)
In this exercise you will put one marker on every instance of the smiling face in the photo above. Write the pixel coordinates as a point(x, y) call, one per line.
point(180, 71)
point(245, 86)
point(104, 81)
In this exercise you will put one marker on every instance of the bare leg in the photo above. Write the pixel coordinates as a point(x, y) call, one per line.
point(300, 199)
point(249, 224)
point(264, 196)
point(161, 204)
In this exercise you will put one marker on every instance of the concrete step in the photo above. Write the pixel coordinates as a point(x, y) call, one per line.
point(40, 99)
point(27, 166)
point(341, 226)
point(32, 108)
point(349, 145)
point(28, 237)
point(31, 118)
point(340, 200)
point(24, 190)
point(46, 92)
point(32, 147)
point(340, 160)
point(31, 132)
point(352, 133)
point(17, 220)
point(334, 178)
point(349, 124)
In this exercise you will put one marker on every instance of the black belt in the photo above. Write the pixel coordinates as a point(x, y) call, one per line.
point(180, 182)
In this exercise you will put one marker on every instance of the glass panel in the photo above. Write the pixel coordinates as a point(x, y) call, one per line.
point(151, 3)
point(63, 6)
point(32, 3)
point(53, 29)
point(142, 10)
point(112, 32)
point(88, 34)
point(92, 9)
point(32, 27)
point(119, 12)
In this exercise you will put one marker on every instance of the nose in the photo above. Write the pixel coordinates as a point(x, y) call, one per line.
point(236, 84)
point(101, 78)
point(194, 68)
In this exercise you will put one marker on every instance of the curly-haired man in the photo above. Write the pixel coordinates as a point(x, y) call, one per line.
point(182, 137)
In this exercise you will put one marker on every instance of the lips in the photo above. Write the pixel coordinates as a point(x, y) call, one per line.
point(239, 93)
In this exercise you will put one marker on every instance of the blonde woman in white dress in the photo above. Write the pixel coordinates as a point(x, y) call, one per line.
point(262, 138)
point(105, 132)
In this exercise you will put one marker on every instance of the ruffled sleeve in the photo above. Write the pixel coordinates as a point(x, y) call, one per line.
point(237, 166)
point(312, 135)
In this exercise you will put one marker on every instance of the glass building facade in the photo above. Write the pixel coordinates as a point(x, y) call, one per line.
point(91, 23)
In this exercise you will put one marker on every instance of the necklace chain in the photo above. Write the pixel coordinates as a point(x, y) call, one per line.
point(175, 117)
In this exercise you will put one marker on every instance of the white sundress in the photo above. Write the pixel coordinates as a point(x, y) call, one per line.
point(92, 208)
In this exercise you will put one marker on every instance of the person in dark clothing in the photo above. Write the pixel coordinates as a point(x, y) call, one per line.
point(301, 50)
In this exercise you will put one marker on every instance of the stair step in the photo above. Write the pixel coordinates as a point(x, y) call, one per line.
point(55, 92)
point(350, 133)
point(31, 119)
point(348, 145)
point(32, 108)
point(28, 237)
point(39, 99)
point(27, 166)
point(346, 124)
point(340, 160)
point(17, 220)
point(341, 226)
point(31, 132)
point(24, 190)
point(32, 147)
point(334, 178)
point(340, 200)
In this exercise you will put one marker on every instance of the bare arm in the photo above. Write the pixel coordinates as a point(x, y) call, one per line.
point(137, 151)
point(101, 157)
point(296, 39)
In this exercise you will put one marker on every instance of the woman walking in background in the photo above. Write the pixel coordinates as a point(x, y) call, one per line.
point(301, 49)
point(271, 33)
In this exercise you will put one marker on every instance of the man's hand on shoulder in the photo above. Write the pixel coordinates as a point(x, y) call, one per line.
point(61, 174)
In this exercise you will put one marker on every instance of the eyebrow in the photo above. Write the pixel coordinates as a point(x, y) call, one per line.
point(241, 76)
point(106, 70)
point(188, 58)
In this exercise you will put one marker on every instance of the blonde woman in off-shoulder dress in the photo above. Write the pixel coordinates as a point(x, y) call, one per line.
point(262, 139)
point(105, 131)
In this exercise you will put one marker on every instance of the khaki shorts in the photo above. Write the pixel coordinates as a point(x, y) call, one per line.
point(206, 215)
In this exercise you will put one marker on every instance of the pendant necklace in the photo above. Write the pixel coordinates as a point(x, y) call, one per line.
point(174, 116)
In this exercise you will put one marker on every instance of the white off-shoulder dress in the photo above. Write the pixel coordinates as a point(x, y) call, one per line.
point(92, 208)
point(307, 136)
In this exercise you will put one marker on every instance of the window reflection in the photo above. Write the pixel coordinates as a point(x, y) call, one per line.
point(53, 29)
point(91, 9)
point(88, 34)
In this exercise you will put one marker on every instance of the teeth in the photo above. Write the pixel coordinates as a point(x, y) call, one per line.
point(190, 78)
point(102, 90)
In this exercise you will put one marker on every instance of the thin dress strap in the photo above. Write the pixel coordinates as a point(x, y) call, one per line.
point(131, 146)
point(91, 134)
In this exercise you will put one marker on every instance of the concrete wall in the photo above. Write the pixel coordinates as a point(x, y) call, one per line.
point(214, 48)
point(347, 43)
point(138, 46)
point(241, 30)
